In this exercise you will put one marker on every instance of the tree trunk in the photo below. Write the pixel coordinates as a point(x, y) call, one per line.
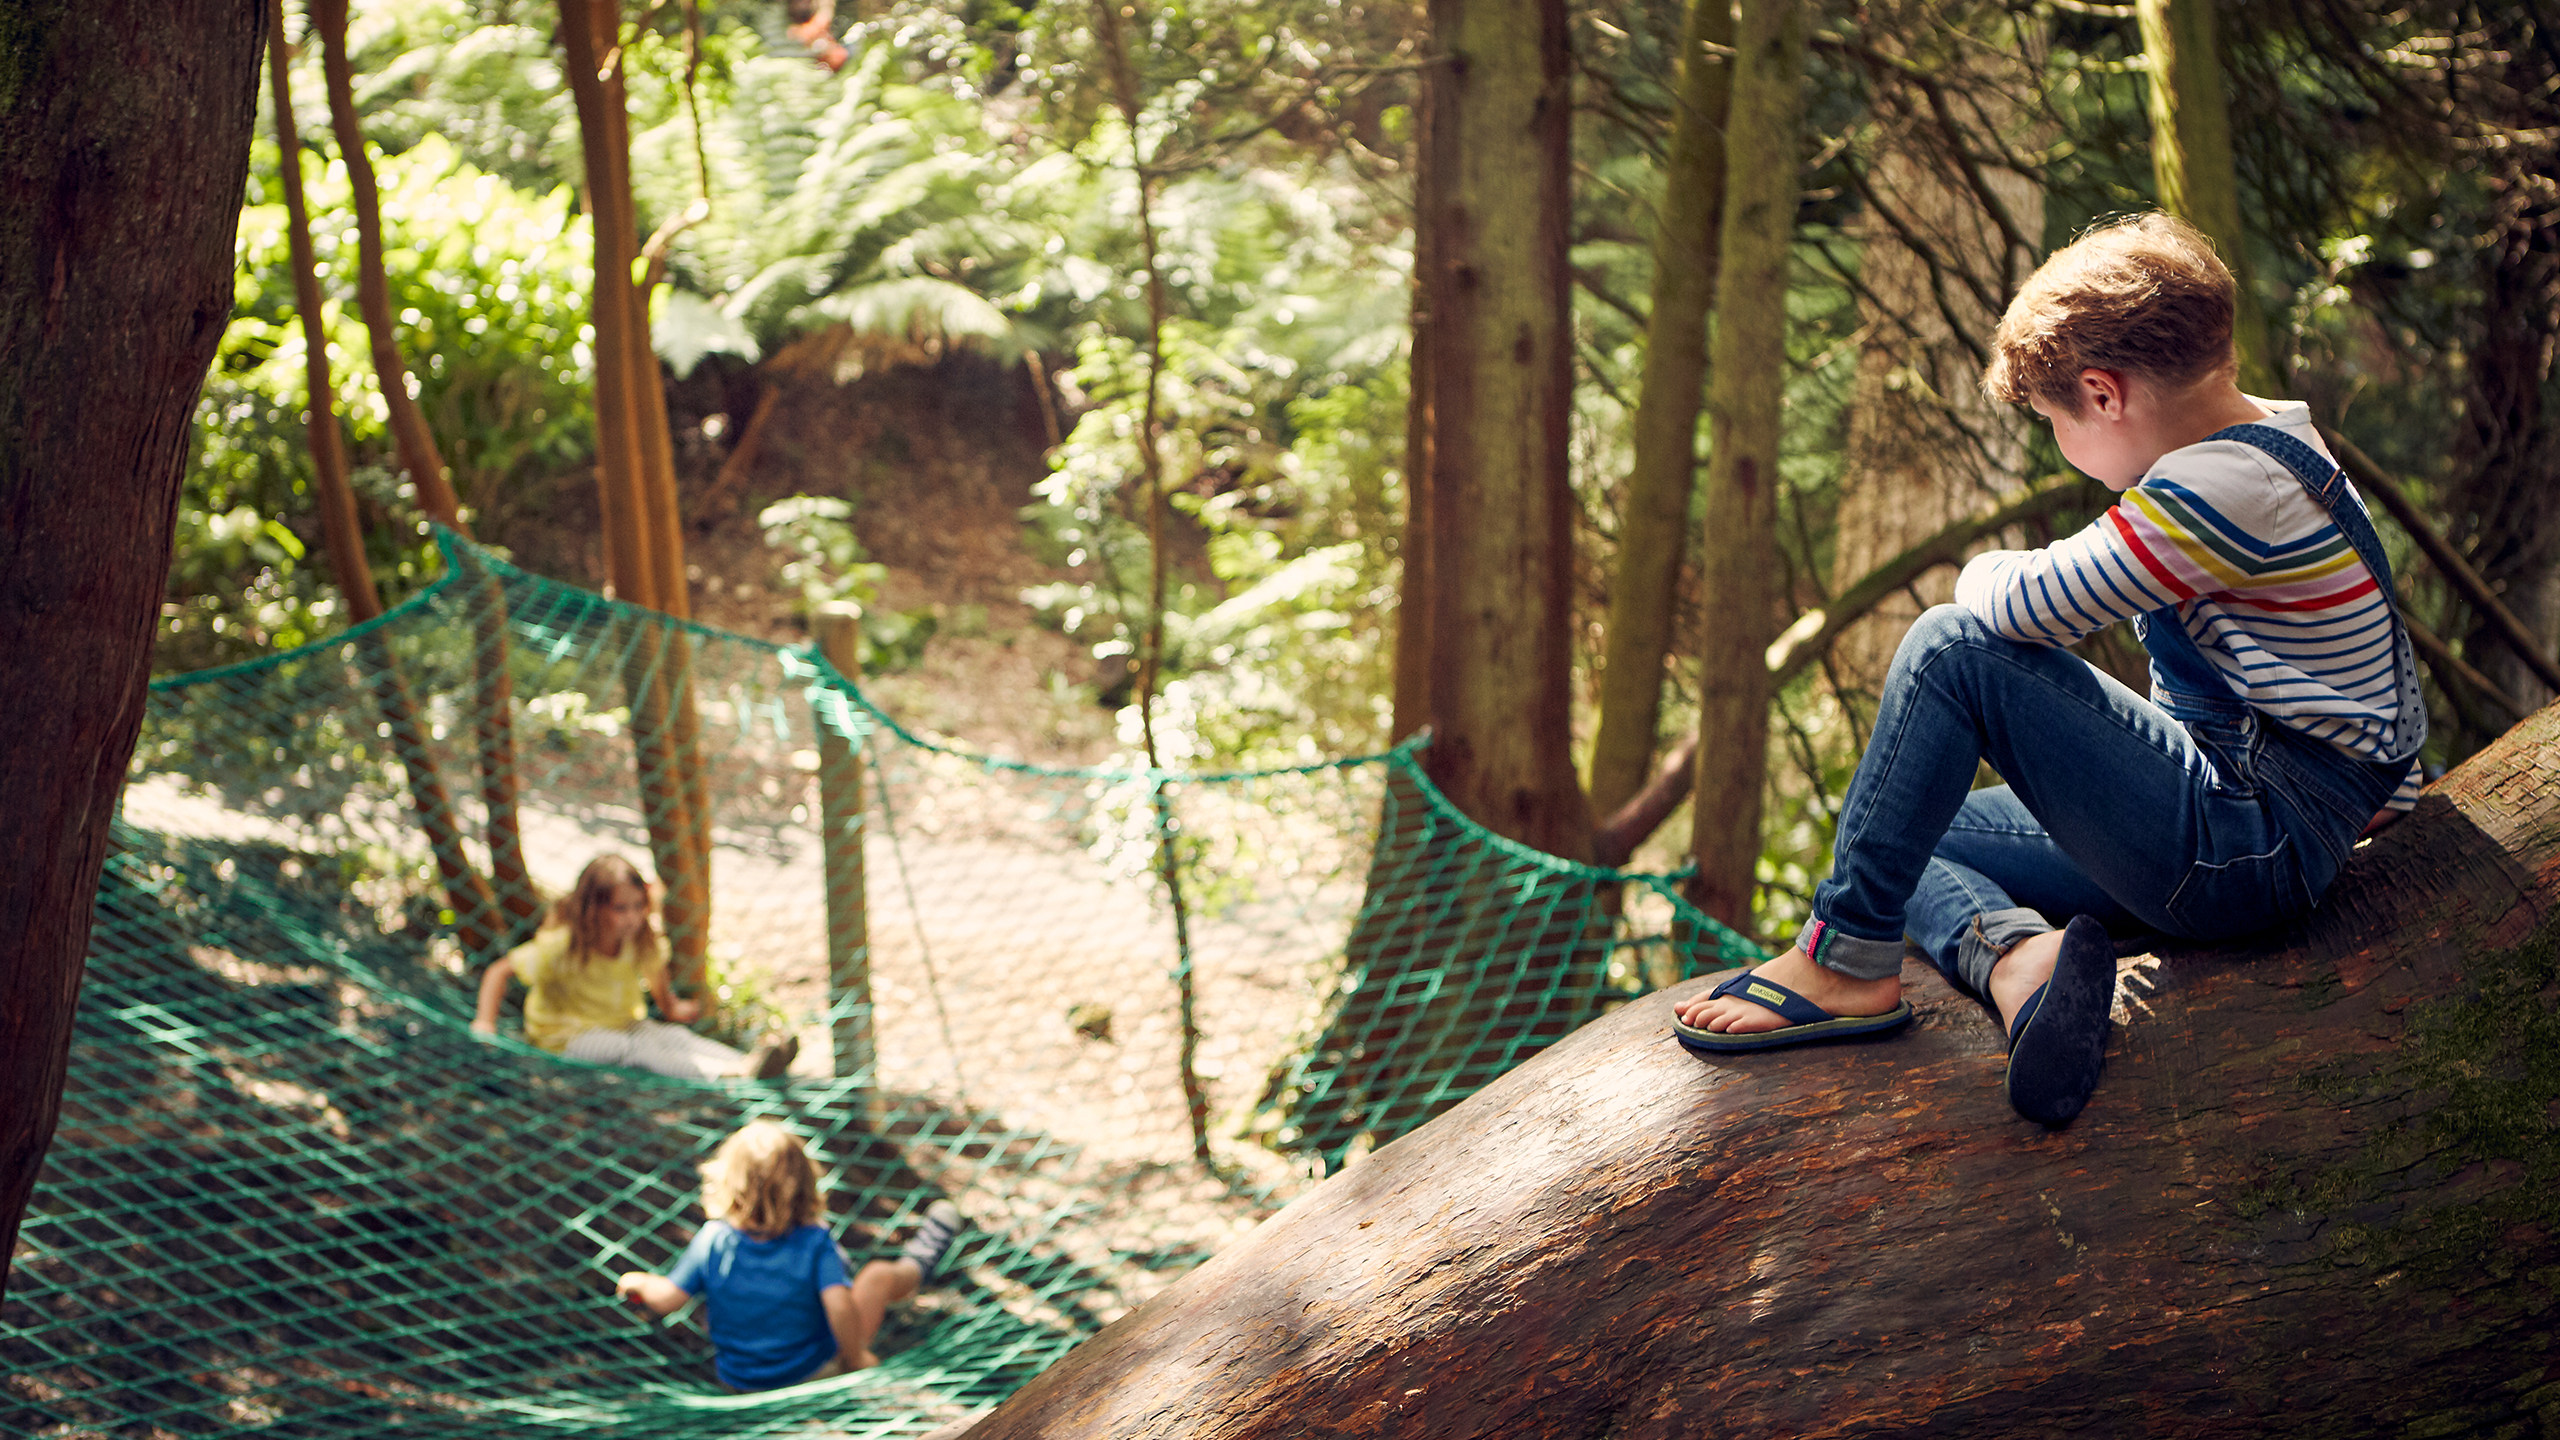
point(124, 148)
point(1440, 976)
point(2191, 159)
point(2311, 1198)
point(1943, 228)
point(2500, 491)
point(1747, 371)
point(1653, 527)
point(1500, 659)
point(409, 433)
point(476, 922)
point(641, 560)
point(494, 730)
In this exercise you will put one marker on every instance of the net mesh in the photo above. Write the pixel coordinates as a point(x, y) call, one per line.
point(1116, 1016)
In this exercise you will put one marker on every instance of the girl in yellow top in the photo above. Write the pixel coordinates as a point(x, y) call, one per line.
point(585, 977)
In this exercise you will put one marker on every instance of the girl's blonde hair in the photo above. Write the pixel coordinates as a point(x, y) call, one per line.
point(762, 1181)
point(582, 909)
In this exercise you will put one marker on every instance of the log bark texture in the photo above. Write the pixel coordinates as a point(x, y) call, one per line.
point(124, 145)
point(2313, 1197)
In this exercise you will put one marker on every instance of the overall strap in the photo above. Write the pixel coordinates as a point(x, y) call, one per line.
point(2178, 668)
point(2327, 482)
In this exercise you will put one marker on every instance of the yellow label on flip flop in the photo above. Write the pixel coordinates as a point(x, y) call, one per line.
point(1761, 992)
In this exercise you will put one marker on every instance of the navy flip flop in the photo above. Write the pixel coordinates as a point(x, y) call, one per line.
point(2059, 1042)
point(1807, 1021)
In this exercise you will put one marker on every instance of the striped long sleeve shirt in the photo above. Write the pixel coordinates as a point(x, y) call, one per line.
point(2262, 578)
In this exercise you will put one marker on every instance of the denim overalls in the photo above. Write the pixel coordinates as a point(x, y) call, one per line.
point(2196, 816)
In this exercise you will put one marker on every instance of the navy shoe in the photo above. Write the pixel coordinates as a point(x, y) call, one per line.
point(2059, 1042)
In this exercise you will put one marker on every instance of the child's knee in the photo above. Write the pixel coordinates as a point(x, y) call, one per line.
point(1939, 628)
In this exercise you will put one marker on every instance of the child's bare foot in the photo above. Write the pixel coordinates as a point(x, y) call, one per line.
point(2020, 971)
point(1833, 991)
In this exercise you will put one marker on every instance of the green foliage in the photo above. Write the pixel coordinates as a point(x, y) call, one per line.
point(1282, 659)
point(827, 565)
point(487, 284)
point(853, 202)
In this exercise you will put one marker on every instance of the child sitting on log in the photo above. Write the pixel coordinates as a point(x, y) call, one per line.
point(782, 1311)
point(585, 975)
point(2284, 710)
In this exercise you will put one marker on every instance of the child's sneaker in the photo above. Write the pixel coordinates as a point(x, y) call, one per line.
point(941, 1225)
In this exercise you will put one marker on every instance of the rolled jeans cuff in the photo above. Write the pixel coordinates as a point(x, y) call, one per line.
point(1857, 958)
point(1988, 937)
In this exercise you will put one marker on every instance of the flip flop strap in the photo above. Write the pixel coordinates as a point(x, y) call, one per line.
point(1791, 1007)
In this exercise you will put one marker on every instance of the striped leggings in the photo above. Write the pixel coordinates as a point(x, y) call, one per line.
point(659, 1048)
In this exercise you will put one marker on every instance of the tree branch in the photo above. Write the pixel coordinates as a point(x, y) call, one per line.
point(2448, 561)
point(1809, 637)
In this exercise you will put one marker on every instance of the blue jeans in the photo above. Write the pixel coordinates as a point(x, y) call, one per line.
point(2111, 809)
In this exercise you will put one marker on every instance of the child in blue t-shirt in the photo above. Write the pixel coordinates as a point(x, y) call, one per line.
point(782, 1310)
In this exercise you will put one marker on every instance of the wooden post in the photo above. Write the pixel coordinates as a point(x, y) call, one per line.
point(838, 627)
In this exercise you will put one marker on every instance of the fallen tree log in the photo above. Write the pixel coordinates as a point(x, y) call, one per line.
point(2314, 1196)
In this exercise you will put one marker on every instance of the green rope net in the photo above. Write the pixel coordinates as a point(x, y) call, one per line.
point(1116, 1016)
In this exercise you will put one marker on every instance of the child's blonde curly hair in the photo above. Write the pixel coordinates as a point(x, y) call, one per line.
point(762, 1181)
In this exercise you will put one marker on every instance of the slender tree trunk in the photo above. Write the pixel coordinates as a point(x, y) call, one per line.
point(1747, 371)
point(341, 531)
point(1500, 661)
point(409, 433)
point(414, 440)
point(2191, 158)
point(1124, 87)
point(2312, 1199)
point(124, 148)
point(1413, 591)
point(475, 919)
point(644, 558)
point(1653, 531)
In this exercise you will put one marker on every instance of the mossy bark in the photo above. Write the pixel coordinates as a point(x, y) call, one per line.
point(2191, 159)
point(2311, 1198)
point(1747, 366)
point(124, 147)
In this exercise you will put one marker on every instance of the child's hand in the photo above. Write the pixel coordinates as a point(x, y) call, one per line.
point(484, 1029)
point(685, 1010)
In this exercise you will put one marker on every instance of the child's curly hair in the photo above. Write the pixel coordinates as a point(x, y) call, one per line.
point(582, 909)
point(762, 1181)
point(2145, 295)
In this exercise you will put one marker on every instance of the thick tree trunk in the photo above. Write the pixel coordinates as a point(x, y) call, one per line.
point(2191, 158)
point(2312, 1197)
point(1440, 975)
point(1653, 527)
point(1944, 228)
point(2508, 443)
point(1747, 368)
point(124, 146)
point(1500, 660)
